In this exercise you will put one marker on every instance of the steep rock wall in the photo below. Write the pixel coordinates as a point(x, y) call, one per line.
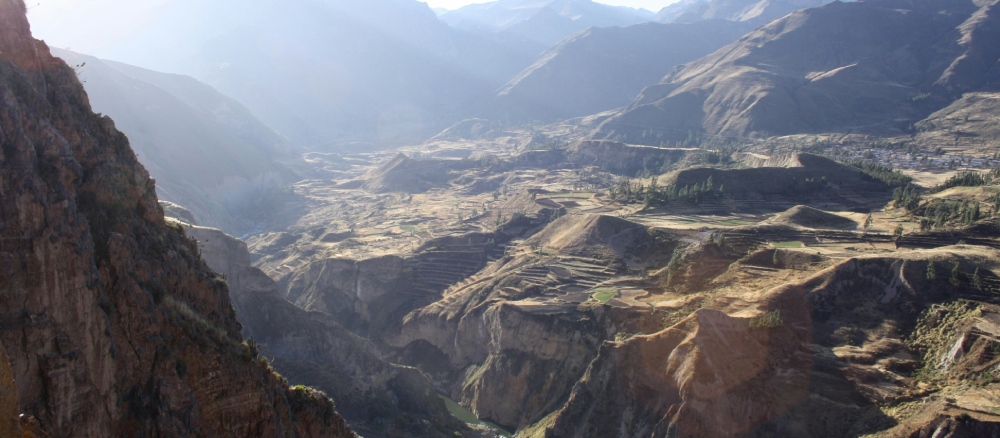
point(377, 397)
point(840, 349)
point(112, 324)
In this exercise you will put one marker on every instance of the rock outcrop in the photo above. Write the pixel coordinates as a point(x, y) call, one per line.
point(112, 323)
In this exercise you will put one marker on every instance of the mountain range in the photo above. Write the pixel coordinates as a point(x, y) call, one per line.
point(322, 73)
point(541, 22)
point(360, 75)
point(601, 69)
point(757, 12)
point(873, 67)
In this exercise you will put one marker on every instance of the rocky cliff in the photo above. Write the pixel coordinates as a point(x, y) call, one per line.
point(112, 323)
point(377, 397)
point(819, 359)
point(514, 339)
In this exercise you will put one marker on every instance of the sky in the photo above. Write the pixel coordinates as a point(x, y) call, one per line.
point(652, 5)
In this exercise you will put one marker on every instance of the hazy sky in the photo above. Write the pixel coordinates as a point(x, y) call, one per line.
point(652, 5)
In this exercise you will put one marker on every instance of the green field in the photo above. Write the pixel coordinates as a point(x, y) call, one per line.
point(789, 245)
point(459, 411)
point(410, 228)
point(605, 294)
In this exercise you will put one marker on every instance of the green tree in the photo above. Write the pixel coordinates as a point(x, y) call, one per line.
point(931, 271)
point(977, 280)
point(956, 276)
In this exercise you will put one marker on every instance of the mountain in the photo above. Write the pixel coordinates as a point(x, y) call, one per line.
point(756, 12)
point(322, 73)
point(542, 22)
point(604, 68)
point(110, 323)
point(874, 67)
point(206, 151)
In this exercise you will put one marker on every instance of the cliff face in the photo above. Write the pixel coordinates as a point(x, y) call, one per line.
point(379, 398)
point(705, 377)
point(842, 344)
point(9, 425)
point(112, 324)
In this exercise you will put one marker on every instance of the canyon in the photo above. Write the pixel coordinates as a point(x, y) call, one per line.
point(793, 233)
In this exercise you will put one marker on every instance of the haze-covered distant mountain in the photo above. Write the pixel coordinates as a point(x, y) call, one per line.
point(205, 150)
point(604, 68)
point(601, 69)
point(542, 22)
point(322, 73)
point(757, 12)
point(877, 67)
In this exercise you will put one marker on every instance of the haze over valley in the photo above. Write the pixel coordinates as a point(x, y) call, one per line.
point(528, 218)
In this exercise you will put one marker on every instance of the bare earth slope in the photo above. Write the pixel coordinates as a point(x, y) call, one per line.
point(112, 324)
point(809, 217)
point(752, 11)
point(604, 68)
point(802, 374)
point(877, 66)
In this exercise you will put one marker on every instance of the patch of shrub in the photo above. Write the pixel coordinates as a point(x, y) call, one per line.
point(771, 319)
